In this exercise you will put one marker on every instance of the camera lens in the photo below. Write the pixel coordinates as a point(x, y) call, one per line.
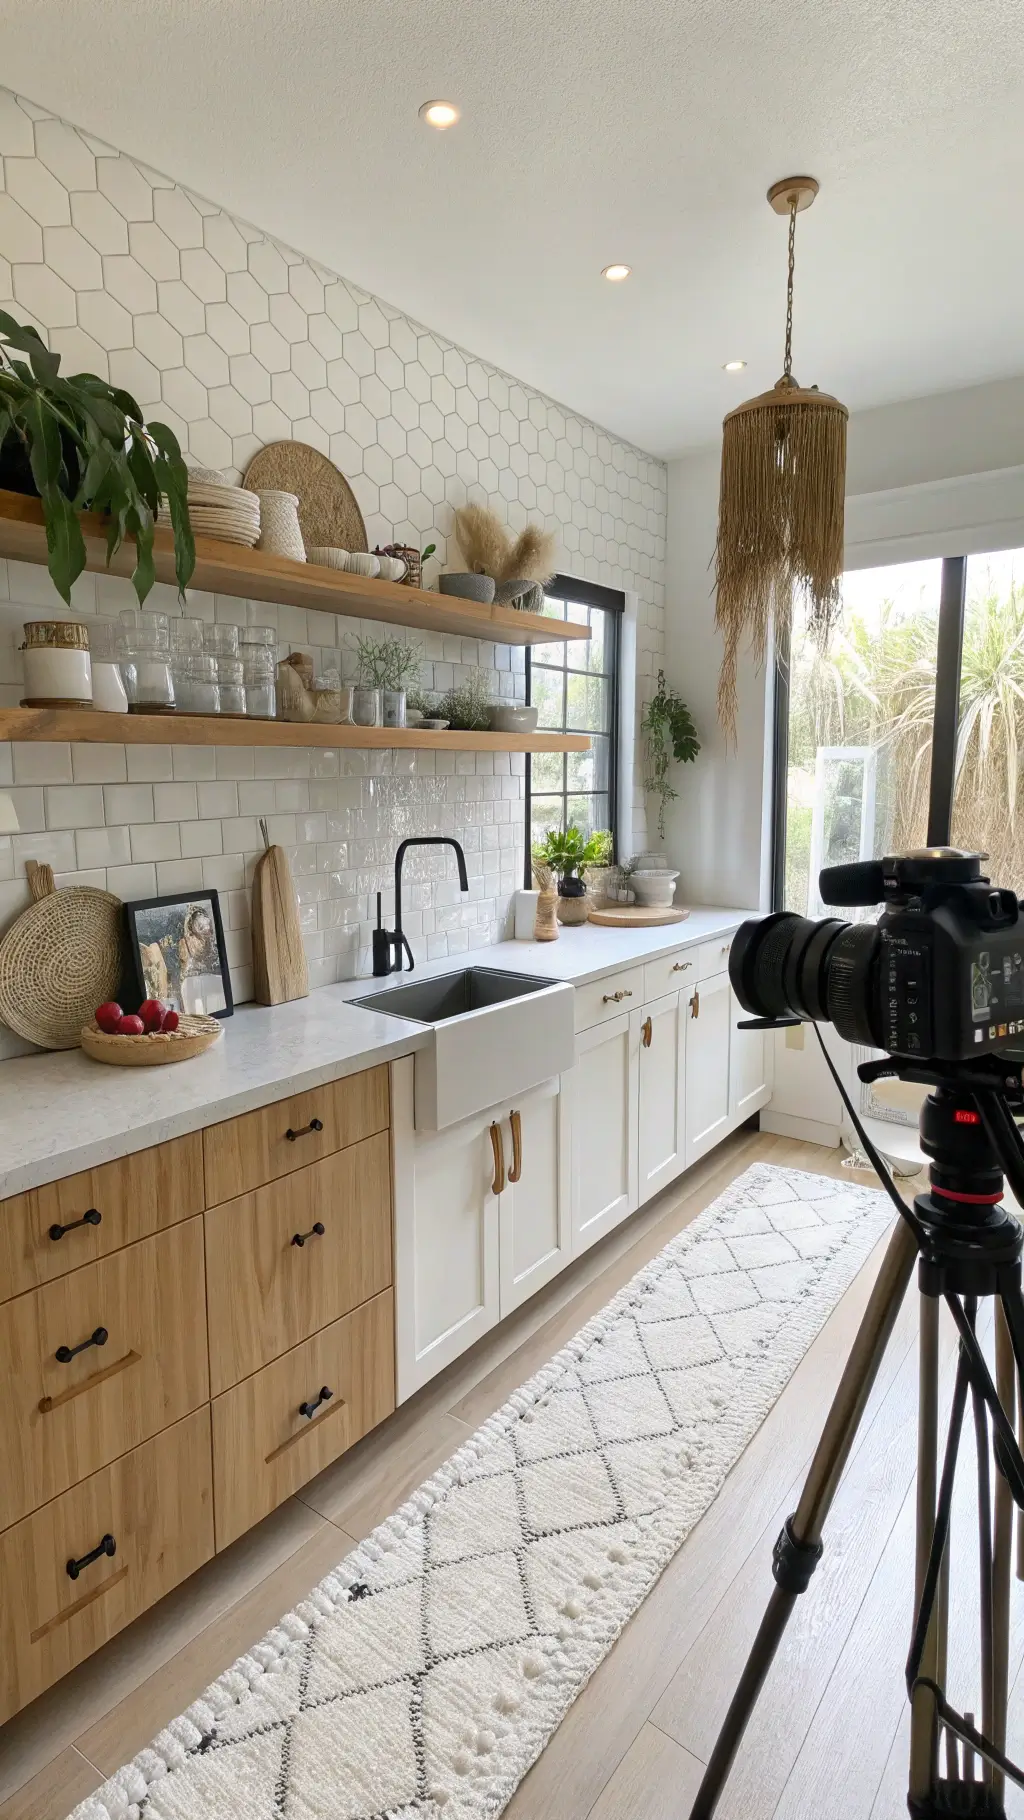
point(791, 966)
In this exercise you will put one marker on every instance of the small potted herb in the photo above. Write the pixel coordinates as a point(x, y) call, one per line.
point(569, 854)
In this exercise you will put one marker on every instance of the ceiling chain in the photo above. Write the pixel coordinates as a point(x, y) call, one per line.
point(788, 368)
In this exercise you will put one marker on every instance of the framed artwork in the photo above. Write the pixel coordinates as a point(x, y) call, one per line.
point(177, 949)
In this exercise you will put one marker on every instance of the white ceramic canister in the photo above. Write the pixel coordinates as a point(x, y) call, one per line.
point(58, 668)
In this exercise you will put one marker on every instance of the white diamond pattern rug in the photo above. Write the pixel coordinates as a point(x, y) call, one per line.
point(422, 1678)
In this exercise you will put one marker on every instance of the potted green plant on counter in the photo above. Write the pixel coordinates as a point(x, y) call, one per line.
point(669, 734)
point(569, 853)
point(82, 445)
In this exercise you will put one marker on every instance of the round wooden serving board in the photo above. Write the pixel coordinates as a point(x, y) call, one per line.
point(635, 916)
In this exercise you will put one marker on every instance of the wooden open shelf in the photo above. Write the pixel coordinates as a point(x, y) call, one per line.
point(226, 568)
point(91, 727)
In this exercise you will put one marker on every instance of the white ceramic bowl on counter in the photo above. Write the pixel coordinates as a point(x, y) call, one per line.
point(655, 890)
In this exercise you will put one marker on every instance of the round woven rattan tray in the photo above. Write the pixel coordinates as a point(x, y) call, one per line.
point(328, 512)
point(59, 961)
point(193, 1036)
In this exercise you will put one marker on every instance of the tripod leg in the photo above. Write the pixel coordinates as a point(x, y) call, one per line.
point(923, 1724)
point(799, 1547)
point(986, 1567)
point(1002, 1553)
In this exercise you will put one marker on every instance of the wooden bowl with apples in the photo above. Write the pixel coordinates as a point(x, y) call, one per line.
point(149, 1037)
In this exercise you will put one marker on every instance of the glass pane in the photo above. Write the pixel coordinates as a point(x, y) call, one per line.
point(547, 688)
point(860, 725)
point(586, 703)
point(593, 655)
point(553, 653)
point(988, 802)
point(588, 812)
point(587, 770)
point(553, 609)
point(545, 814)
point(547, 771)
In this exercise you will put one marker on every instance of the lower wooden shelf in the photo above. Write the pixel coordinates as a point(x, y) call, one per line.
point(87, 726)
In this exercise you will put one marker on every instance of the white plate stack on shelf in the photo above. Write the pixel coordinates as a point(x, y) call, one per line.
point(218, 509)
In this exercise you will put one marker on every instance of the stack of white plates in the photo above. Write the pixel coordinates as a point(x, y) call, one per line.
point(217, 509)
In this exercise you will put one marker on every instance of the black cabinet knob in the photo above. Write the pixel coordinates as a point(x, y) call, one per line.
point(105, 1546)
point(316, 1231)
point(90, 1218)
point(310, 1408)
point(65, 1354)
point(304, 1130)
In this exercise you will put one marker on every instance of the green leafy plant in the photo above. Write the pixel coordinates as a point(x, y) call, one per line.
point(467, 705)
point(669, 735)
point(124, 466)
point(423, 701)
point(570, 853)
point(386, 663)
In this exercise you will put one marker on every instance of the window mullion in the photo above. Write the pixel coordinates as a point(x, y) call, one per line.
point(946, 710)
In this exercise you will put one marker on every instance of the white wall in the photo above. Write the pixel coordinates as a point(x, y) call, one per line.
point(931, 476)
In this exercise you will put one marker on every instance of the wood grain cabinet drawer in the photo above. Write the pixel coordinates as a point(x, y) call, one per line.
point(98, 1361)
point(262, 1146)
point(54, 1229)
point(600, 1000)
point(267, 1291)
point(670, 973)
point(156, 1506)
point(280, 1428)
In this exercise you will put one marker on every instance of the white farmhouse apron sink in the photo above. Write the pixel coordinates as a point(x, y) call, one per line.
point(493, 1034)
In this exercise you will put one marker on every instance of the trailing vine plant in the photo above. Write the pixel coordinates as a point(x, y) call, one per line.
point(669, 735)
point(87, 447)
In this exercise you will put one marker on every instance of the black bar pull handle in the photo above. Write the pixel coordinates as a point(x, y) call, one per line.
point(314, 1125)
point(65, 1354)
point(310, 1408)
point(105, 1546)
point(91, 1218)
point(317, 1230)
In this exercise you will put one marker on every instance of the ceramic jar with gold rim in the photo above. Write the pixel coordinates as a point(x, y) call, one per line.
point(58, 667)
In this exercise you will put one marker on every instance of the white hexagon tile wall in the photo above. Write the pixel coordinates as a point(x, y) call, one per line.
point(237, 341)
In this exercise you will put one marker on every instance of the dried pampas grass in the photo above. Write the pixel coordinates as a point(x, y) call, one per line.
point(489, 549)
point(780, 523)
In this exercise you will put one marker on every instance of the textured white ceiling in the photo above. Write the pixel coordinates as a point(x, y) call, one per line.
point(594, 131)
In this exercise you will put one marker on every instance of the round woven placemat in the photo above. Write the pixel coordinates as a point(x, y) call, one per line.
point(328, 512)
point(59, 961)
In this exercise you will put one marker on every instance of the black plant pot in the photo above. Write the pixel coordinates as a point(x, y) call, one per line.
point(16, 469)
point(571, 886)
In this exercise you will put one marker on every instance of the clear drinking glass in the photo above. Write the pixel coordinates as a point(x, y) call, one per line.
point(259, 675)
point(221, 640)
point(231, 681)
point(204, 687)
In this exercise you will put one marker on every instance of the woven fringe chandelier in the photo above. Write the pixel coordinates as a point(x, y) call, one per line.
point(780, 512)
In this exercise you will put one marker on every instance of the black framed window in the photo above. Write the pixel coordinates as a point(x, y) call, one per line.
point(575, 686)
point(909, 730)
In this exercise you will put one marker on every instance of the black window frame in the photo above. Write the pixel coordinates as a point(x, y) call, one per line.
point(613, 602)
point(945, 721)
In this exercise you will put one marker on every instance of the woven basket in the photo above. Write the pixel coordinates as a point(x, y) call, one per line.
point(193, 1036)
point(59, 961)
point(279, 524)
point(328, 510)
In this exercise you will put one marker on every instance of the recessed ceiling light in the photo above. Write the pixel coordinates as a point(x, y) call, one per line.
point(439, 113)
point(734, 366)
point(616, 273)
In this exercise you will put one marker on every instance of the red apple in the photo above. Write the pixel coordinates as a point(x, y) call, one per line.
point(151, 1012)
point(170, 1020)
point(130, 1026)
point(108, 1017)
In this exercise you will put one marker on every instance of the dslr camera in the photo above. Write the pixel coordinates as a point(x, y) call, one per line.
point(939, 977)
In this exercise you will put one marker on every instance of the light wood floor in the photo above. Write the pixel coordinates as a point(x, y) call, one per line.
point(829, 1738)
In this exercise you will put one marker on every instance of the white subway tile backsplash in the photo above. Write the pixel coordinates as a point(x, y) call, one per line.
point(194, 762)
point(235, 761)
point(102, 847)
point(99, 764)
point(216, 800)
point(28, 807)
point(179, 875)
point(42, 764)
point(148, 764)
point(56, 850)
point(130, 882)
point(175, 802)
point(155, 840)
point(223, 872)
point(127, 803)
point(200, 839)
point(73, 806)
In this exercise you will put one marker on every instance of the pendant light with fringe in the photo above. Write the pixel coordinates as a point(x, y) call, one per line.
point(781, 499)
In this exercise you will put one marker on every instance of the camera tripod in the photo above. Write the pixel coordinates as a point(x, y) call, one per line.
point(967, 1248)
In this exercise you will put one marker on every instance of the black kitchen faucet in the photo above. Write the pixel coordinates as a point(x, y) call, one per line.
point(389, 943)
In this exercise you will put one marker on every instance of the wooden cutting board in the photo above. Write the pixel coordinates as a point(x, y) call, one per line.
point(279, 965)
point(635, 916)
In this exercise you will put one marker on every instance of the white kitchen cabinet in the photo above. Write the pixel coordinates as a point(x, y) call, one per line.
point(662, 1122)
point(482, 1220)
point(750, 1067)
point(446, 1237)
point(534, 1218)
point(708, 1020)
point(602, 1103)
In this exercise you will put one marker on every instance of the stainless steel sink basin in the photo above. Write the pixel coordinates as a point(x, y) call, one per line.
point(434, 1001)
point(492, 1034)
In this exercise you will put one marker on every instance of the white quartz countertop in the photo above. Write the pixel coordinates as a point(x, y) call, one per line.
point(61, 1113)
